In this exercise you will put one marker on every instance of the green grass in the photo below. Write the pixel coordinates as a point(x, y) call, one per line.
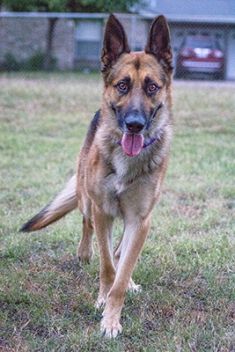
point(187, 268)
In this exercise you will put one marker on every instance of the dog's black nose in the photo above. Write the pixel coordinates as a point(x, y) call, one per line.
point(134, 123)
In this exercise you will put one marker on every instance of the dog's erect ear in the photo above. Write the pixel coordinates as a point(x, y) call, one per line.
point(158, 43)
point(115, 43)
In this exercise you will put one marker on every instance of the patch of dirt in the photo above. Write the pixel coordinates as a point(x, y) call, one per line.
point(189, 211)
point(198, 316)
point(231, 311)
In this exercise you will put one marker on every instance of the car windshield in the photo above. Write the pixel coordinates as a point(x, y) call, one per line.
point(196, 42)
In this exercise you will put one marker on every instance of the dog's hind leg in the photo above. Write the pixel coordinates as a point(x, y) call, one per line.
point(103, 228)
point(85, 248)
point(117, 252)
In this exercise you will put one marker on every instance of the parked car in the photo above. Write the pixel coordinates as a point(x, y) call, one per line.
point(200, 54)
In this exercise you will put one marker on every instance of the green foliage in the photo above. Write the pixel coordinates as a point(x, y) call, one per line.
point(102, 5)
point(35, 5)
point(10, 63)
point(33, 63)
point(71, 5)
point(36, 62)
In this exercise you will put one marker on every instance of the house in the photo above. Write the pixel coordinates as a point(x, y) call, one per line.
point(78, 36)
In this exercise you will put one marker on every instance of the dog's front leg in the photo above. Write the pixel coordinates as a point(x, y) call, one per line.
point(132, 286)
point(133, 240)
point(103, 228)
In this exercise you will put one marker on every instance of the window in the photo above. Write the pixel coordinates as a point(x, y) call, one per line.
point(88, 40)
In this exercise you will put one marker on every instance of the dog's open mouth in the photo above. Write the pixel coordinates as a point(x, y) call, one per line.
point(132, 143)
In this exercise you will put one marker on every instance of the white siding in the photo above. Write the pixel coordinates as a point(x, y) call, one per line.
point(230, 74)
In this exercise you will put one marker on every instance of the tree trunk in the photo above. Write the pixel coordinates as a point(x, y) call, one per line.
point(48, 60)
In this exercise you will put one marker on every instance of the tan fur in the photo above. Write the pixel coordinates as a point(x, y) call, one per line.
point(62, 204)
point(111, 184)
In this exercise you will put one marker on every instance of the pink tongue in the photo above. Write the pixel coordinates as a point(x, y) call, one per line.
point(132, 143)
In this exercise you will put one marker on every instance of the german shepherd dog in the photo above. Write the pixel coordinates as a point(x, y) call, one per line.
point(122, 163)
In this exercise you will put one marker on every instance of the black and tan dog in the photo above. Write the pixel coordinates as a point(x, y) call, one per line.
point(122, 162)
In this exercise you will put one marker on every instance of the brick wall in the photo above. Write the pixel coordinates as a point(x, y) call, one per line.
point(23, 37)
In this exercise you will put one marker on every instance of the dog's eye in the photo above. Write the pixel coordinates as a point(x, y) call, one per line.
point(122, 87)
point(152, 88)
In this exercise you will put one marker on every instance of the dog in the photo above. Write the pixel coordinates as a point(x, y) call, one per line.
point(122, 163)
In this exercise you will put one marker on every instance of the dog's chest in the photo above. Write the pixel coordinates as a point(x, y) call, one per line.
point(125, 172)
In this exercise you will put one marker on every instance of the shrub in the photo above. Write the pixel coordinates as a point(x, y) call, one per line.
point(10, 63)
point(33, 63)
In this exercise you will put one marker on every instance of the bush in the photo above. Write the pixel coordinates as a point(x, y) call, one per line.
point(34, 63)
point(10, 63)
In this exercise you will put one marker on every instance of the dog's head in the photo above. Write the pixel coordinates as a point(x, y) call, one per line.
point(137, 84)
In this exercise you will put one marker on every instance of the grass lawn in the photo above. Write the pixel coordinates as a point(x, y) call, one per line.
point(187, 268)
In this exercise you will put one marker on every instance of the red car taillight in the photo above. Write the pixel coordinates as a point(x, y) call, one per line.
point(186, 52)
point(217, 54)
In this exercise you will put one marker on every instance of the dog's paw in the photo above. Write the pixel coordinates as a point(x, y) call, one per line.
point(100, 303)
point(84, 256)
point(134, 288)
point(110, 327)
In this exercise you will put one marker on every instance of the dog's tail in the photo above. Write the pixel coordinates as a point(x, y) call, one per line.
point(63, 203)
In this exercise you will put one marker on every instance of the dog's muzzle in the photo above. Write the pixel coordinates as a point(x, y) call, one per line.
point(134, 122)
